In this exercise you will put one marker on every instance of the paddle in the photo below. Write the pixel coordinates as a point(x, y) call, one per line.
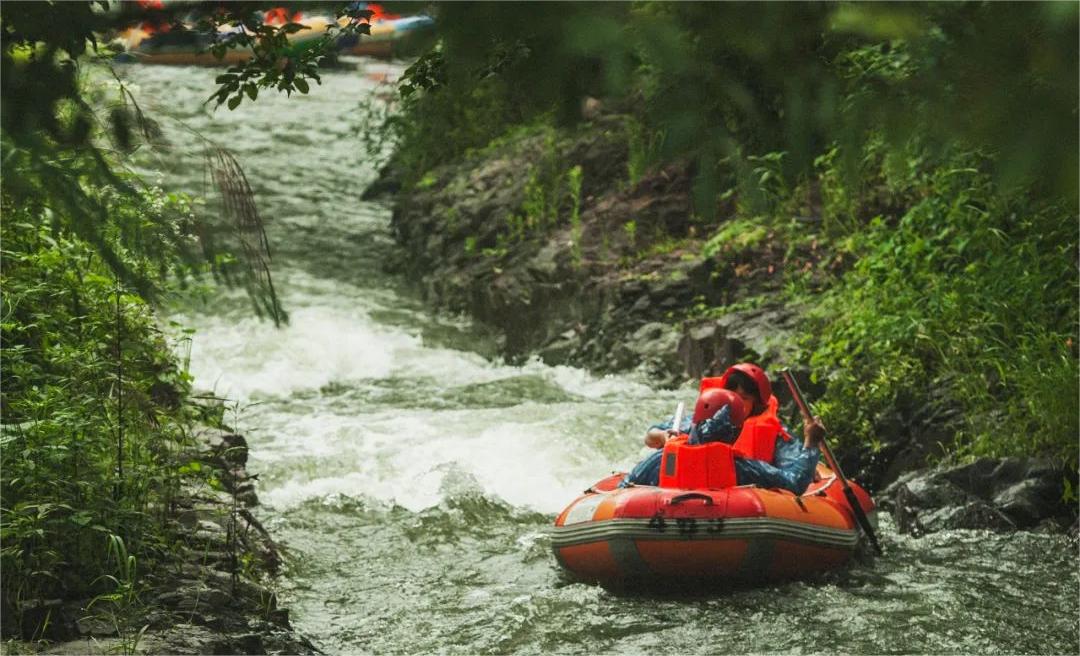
point(856, 508)
point(677, 425)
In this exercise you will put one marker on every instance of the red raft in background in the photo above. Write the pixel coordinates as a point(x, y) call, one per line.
point(674, 536)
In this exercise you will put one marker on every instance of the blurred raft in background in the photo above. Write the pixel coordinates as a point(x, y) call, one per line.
point(390, 35)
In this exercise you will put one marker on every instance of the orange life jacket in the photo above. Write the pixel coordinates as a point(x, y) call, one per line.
point(757, 439)
point(697, 466)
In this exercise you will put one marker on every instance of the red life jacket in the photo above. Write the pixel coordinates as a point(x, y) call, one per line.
point(757, 439)
point(697, 466)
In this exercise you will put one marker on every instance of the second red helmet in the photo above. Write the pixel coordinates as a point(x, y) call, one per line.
point(714, 398)
point(756, 374)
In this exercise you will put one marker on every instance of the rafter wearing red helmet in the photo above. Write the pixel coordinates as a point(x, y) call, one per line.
point(765, 454)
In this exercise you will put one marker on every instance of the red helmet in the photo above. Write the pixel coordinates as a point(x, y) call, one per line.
point(714, 398)
point(756, 374)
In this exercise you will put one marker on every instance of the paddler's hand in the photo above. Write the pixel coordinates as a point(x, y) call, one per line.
point(655, 438)
point(813, 432)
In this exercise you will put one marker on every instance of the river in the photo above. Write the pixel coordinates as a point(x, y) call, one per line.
point(412, 478)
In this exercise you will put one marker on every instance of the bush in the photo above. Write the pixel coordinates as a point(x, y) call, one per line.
point(442, 121)
point(93, 411)
point(970, 291)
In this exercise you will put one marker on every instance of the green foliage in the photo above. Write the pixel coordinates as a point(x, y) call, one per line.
point(546, 189)
point(644, 146)
point(551, 195)
point(59, 33)
point(123, 600)
point(93, 408)
point(53, 132)
point(762, 183)
point(968, 299)
point(720, 83)
point(735, 236)
point(930, 148)
point(276, 63)
point(427, 181)
point(443, 123)
point(631, 231)
point(573, 183)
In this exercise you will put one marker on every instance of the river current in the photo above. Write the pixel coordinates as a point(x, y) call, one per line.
point(412, 479)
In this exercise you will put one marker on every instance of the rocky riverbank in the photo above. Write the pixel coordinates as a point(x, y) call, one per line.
point(216, 598)
point(605, 275)
point(997, 494)
point(544, 237)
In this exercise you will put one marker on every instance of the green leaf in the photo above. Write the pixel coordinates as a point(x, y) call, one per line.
point(234, 102)
point(301, 85)
point(252, 90)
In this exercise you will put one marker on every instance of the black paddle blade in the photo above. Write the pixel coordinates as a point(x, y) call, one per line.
point(861, 519)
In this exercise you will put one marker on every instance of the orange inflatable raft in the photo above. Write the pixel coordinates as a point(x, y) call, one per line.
point(664, 536)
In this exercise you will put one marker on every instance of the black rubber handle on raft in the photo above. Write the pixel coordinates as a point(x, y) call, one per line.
point(856, 508)
point(691, 495)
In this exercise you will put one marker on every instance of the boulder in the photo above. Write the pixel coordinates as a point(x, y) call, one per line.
point(995, 494)
point(765, 334)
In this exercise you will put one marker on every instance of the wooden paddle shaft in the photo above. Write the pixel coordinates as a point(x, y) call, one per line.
point(807, 416)
point(849, 494)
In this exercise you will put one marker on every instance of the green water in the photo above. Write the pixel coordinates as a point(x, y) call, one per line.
point(412, 479)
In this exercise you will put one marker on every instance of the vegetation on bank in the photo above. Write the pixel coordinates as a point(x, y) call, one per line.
point(96, 421)
point(97, 412)
point(924, 155)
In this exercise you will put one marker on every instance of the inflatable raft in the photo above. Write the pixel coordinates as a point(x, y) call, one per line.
point(665, 536)
point(390, 37)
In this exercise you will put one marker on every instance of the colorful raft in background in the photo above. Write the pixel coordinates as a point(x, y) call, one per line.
point(645, 536)
point(390, 36)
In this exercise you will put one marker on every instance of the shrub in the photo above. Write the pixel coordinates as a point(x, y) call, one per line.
point(973, 292)
point(93, 410)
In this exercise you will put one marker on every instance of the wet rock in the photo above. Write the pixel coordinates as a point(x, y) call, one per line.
point(186, 639)
point(230, 448)
point(206, 527)
point(387, 183)
point(909, 437)
point(703, 349)
point(975, 514)
point(561, 349)
point(549, 263)
point(95, 625)
point(764, 334)
point(768, 332)
point(996, 494)
point(193, 597)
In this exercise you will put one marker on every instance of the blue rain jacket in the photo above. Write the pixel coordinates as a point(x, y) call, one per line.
point(792, 467)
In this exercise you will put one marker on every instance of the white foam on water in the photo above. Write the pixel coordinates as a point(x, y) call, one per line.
point(405, 458)
point(582, 383)
point(248, 358)
point(334, 340)
point(312, 445)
